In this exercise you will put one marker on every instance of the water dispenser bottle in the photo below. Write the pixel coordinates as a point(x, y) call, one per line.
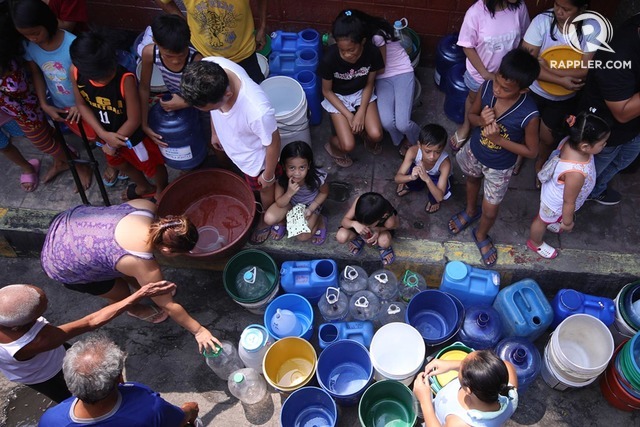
point(481, 328)
point(251, 282)
point(384, 284)
point(353, 279)
point(399, 30)
point(224, 360)
point(524, 356)
point(364, 305)
point(392, 311)
point(568, 302)
point(254, 343)
point(334, 306)
point(472, 286)
point(412, 284)
point(247, 385)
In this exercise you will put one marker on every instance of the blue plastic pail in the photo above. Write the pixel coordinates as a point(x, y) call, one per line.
point(309, 406)
point(344, 371)
point(296, 304)
point(435, 315)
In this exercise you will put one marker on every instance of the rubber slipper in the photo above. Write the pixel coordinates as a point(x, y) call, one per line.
point(402, 190)
point(130, 194)
point(278, 231)
point(554, 227)
point(429, 205)
point(122, 177)
point(544, 250)
point(356, 245)
point(31, 178)
point(456, 142)
point(320, 235)
point(467, 220)
point(387, 255)
point(158, 315)
point(481, 245)
point(342, 161)
point(112, 182)
point(404, 147)
point(260, 236)
point(374, 148)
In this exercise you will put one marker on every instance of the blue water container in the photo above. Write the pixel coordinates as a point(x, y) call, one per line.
point(290, 63)
point(309, 278)
point(481, 327)
point(569, 301)
point(345, 370)
point(313, 90)
point(448, 54)
point(283, 41)
point(456, 93)
point(182, 131)
point(524, 310)
point(524, 356)
point(361, 332)
point(309, 406)
point(472, 286)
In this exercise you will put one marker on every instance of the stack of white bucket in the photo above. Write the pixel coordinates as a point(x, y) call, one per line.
point(577, 353)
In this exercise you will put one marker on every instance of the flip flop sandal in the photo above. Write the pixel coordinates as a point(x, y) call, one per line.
point(402, 190)
point(387, 255)
point(278, 231)
point(158, 315)
point(404, 147)
point(356, 245)
point(483, 244)
point(265, 231)
point(320, 235)
point(111, 183)
point(544, 250)
point(31, 178)
point(122, 177)
point(456, 143)
point(429, 205)
point(342, 161)
point(468, 220)
point(130, 194)
point(374, 148)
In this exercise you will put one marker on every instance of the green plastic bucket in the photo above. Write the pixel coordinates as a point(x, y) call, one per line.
point(451, 352)
point(387, 403)
point(415, 55)
point(252, 257)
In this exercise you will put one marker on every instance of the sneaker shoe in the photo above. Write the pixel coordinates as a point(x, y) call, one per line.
point(609, 197)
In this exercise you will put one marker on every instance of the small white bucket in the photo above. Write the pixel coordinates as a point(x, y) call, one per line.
point(397, 352)
point(263, 62)
point(581, 347)
point(555, 379)
point(290, 104)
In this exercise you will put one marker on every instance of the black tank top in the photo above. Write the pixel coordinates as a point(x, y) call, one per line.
point(107, 102)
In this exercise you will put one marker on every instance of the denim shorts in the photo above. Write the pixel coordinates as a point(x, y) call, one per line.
point(473, 85)
point(7, 131)
point(496, 181)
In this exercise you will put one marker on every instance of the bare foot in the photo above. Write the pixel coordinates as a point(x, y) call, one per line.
point(85, 174)
point(59, 166)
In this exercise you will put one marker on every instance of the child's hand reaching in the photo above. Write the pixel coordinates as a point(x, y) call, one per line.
point(487, 115)
point(293, 187)
point(175, 103)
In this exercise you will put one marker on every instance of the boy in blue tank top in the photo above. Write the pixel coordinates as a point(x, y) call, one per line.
point(505, 124)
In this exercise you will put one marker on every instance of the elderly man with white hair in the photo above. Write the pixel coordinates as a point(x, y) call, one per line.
point(31, 349)
point(93, 372)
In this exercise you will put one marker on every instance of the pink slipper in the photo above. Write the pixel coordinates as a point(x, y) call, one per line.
point(31, 178)
point(544, 250)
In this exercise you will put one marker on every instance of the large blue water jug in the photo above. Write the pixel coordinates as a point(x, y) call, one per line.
point(472, 286)
point(481, 327)
point(361, 332)
point(182, 131)
point(524, 310)
point(313, 90)
point(569, 301)
point(309, 278)
point(524, 356)
point(448, 54)
point(455, 93)
point(290, 63)
point(284, 41)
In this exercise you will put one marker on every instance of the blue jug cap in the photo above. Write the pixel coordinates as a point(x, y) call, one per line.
point(397, 24)
point(250, 276)
point(238, 377)
point(253, 338)
point(456, 270)
point(571, 299)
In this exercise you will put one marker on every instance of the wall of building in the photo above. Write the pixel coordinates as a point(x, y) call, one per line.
point(431, 19)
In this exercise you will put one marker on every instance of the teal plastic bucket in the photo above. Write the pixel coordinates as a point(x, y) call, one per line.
point(387, 403)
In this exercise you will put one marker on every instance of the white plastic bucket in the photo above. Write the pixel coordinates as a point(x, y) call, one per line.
point(263, 62)
point(397, 352)
point(157, 82)
point(290, 104)
point(581, 346)
point(557, 380)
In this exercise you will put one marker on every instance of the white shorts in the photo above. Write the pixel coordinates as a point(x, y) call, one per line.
point(351, 101)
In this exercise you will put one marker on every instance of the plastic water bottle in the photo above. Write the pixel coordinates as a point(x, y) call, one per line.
point(224, 360)
point(384, 284)
point(412, 284)
point(251, 282)
point(334, 306)
point(399, 29)
point(353, 279)
point(247, 385)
